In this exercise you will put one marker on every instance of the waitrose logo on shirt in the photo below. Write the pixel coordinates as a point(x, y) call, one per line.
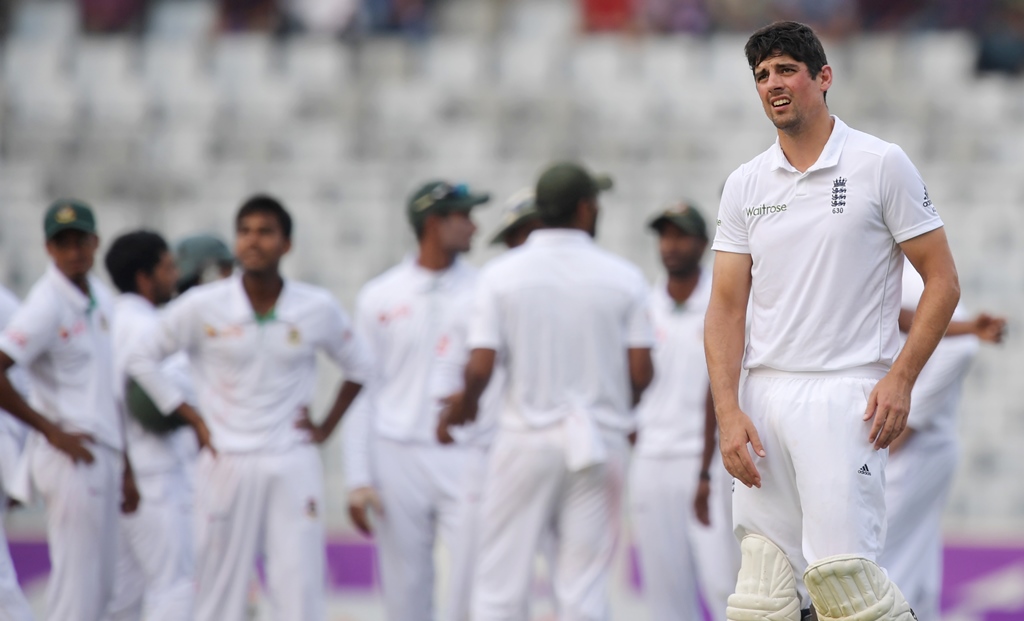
point(764, 210)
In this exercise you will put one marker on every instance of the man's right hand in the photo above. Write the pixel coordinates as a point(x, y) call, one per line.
point(360, 501)
point(736, 431)
point(71, 444)
point(198, 426)
point(989, 328)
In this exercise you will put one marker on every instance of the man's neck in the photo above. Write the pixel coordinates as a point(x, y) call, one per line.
point(262, 289)
point(81, 281)
point(435, 258)
point(804, 146)
point(681, 287)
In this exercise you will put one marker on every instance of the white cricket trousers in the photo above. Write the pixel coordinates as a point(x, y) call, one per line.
point(420, 487)
point(13, 605)
point(529, 487)
point(466, 547)
point(919, 478)
point(153, 579)
point(268, 503)
point(677, 552)
point(82, 511)
point(822, 483)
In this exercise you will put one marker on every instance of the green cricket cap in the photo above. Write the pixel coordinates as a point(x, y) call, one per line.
point(198, 252)
point(441, 197)
point(684, 216)
point(518, 209)
point(562, 186)
point(68, 215)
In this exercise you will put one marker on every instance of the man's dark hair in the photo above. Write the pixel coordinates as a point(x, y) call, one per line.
point(791, 38)
point(261, 203)
point(131, 253)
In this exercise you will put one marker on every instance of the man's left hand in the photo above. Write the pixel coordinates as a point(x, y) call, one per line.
point(889, 405)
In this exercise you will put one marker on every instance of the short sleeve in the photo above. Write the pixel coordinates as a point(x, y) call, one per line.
point(731, 235)
point(640, 331)
point(485, 316)
point(345, 346)
point(31, 331)
point(175, 333)
point(906, 207)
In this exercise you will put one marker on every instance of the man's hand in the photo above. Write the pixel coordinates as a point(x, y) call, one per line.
point(736, 430)
point(989, 329)
point(700, 502)
point(360, 501)
point(129, 493)
point(889, 405)
point(456, 411)
point(71, 444)
point(198, 426)
point(317, 433)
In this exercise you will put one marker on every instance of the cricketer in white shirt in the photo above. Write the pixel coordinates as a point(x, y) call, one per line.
point(12, 442)
point(572, 321)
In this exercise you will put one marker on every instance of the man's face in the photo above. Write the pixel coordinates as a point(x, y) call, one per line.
point(73, 252)
point(455, 231)
point(788, 92)
point(260, 243)
point(164, 277)
point(680, 253)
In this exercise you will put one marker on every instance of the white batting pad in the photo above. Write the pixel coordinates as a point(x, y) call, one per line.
point(765, 586)
point(852, 588)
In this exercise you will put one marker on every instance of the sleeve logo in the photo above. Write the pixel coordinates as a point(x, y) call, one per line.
point(927, 203)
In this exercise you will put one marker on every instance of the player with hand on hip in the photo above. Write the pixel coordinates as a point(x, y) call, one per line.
point(923, 459)
point(394, 462)
point(519, 219)
point(252, 342)
point(680, 493)
point(812, 235)
point(572, 323)
point(155, 563)
point(13, 434)
point(61, 335)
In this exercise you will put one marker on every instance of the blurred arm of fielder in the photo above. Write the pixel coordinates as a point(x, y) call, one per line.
point(889, 402)
point(462, 408)
point(144, 366)
point(724, 334)
point(700, 502)
point(988, 328)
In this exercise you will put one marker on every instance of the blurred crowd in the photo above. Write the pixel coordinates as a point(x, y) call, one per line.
point(999, 24)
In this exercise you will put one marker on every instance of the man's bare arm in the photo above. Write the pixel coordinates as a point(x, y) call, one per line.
point(889, 403)
point(724, 333)
point(71, 444)
point(641, 371)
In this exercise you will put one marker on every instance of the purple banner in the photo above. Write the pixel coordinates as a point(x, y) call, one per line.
point(979, 583)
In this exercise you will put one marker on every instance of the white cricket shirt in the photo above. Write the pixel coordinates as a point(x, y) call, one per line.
point(62, 337)
point(827, 265)
point(671, 414)
point(403, 315)
point(253, 376)
point(136, 321)
point(12, 431)
point(564, 312)
point(936, 395)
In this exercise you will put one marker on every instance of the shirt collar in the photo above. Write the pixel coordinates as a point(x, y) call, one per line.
point(136, 300)
point(829, 155)
point(424, 280)
point(668, 303)
point(240, 308)
point(558, 237)
point(79, 301)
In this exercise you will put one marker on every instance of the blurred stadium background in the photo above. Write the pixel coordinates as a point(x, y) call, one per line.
point(167, 113)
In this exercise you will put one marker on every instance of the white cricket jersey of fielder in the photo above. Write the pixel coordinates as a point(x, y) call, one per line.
point(671, 414)
point(62, 336)
point(567, 345)
point(253, 378)
point(12, 431)
point(136, 320)
point(12, 441)
point(826, 271)
point(403, 314)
